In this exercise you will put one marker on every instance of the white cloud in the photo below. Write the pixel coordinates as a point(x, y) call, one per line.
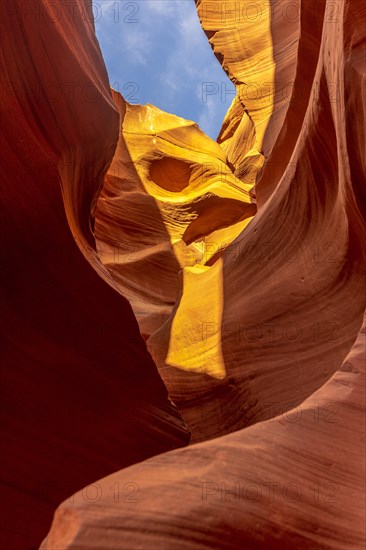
point(137, 44)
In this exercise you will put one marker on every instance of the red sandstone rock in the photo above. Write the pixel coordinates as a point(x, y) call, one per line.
point(81, 396)
point(292, 301)
point(294, 279)
point(294, 481)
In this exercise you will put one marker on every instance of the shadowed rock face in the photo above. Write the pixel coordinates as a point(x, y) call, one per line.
point(239, 311)
point(169, 177)
point(81, 396)
point(243, 261)
point(294, 481)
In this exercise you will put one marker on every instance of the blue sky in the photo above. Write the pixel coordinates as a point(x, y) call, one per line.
point(156, 52)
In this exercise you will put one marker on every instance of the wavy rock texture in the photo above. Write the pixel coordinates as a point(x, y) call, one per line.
point(290, 290)
point(294, 481)
point(248, 285)
point(81, 396)
point(293, 281)
point(166, 175)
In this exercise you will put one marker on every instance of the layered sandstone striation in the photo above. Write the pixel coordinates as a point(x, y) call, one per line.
point(169, 177)
point(286, 294)
point(294, 481)
point(243, 261)
point(80, 394)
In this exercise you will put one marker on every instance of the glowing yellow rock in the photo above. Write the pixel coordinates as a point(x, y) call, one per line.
point(169, 176)
point(195, 342)
point(255, 42)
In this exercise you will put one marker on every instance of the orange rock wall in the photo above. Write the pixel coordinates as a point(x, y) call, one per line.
point(243, 261)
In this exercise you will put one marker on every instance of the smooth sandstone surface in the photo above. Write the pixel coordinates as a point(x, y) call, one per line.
point(244, 264)
point(222, 298)
point(80, 394)
point(291, 306)
point(293, 281)
point(169, 177)
point(294, 481)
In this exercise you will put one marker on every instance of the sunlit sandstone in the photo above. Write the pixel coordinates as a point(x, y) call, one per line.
point(244, 263)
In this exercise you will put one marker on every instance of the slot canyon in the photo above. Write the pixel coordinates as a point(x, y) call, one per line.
point(183, 342)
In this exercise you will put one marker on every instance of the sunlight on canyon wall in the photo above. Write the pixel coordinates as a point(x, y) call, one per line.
point(215, 291)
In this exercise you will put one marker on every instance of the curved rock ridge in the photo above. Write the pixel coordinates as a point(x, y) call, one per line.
point(169, 177)
point(257, 44)
point(249, 310)
point(80, 394)
point(294, 481)
point(218, 330)
point(293, 281)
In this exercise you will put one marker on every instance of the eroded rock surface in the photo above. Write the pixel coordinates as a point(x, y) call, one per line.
point(80, 394)
point(294, 481)
point(292, 283)
point(243, 260)
point(167, 176)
